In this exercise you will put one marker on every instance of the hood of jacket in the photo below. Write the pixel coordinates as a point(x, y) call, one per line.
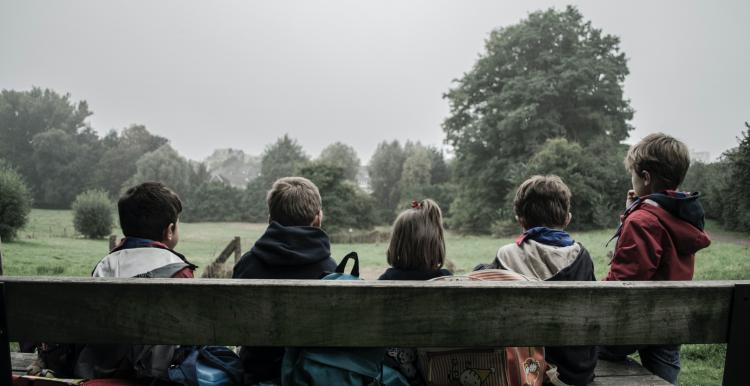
point(686, 237)
point(684, 206)
point(291, 245)
point(539, 261)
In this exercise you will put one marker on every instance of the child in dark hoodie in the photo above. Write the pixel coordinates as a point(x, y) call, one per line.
point(660, 232)
point(292, 247)
point(544, 251)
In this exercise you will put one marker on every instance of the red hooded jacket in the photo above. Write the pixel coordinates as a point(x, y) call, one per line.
point(659, 244)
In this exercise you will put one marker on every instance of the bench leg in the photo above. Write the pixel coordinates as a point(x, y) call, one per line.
point(738, 346)
point(6, 372)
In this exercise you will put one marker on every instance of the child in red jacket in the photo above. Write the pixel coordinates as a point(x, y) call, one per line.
point(661, 230)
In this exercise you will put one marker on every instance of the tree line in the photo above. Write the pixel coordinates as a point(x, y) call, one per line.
point(544, 97)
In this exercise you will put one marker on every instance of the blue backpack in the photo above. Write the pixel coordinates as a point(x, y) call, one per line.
point(339, 366)
point(207, 366)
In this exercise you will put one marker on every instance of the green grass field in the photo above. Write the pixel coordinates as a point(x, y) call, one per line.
point(49, 246)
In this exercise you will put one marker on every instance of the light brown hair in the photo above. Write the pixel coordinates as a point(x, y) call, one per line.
point(543, 201)
point(294, 201)
point(666, 159)
point(417, 240)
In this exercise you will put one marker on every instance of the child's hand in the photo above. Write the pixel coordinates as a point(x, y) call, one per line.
point(631, 198)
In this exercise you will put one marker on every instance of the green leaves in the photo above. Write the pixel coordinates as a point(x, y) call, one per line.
point(552, 75)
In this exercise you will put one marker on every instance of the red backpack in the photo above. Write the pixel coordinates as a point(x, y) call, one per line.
point(506, 366)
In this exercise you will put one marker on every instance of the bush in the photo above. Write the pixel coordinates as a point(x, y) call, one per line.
point(92, 214)
point(15, 203)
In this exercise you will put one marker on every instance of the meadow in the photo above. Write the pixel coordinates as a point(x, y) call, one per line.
point(49, 246)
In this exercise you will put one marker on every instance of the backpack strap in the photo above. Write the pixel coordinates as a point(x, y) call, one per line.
point(342, 265)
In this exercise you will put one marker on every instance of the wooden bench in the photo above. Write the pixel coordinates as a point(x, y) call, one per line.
point(381, 314)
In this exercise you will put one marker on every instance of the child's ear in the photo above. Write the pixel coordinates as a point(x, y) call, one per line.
point(169, 232)
point(567, 221)
point(646, 177)
point(318, 220)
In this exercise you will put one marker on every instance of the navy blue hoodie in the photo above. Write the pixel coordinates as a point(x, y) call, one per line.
point(283, 252)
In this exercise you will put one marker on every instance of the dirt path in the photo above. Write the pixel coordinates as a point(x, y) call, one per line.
point(729, 237)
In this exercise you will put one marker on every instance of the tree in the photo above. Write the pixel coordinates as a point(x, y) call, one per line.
point(736, 206)
point(343, 156)
point(64, 164)
point(344, 204)
point(551, 75)
point(120, 154)
point(92, 214)
point(163, 165)
point(24, 114)
point(282, 159)
point(385, 174)
point(596, 179)
point(416, 173)
point(15, 202)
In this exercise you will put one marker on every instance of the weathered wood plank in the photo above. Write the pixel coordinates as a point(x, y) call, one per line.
point(352, 313)
point(637, 380)
point(20, 361)
point(624, 368)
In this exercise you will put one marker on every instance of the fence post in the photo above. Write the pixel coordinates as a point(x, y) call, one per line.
point(112, 242)
point(237, 249)
point(735, 363)
point(5, 366)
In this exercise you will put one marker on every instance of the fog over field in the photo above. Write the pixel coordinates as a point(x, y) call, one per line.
point(239, 74)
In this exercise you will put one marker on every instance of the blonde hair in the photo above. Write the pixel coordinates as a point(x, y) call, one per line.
point(666, 158)
point(294, 201)
point(543, 201)
point(417, 240)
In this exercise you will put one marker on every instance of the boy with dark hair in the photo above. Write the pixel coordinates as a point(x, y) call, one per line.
point(149, 214)
point(544, 251)
point(292, 247)
point(660, 232)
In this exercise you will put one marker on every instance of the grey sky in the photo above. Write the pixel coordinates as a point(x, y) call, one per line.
point(238, 74)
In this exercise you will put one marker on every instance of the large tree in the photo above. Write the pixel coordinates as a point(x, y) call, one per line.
point(343, 156)
point(121, 152)
point(551, 75)
point(283, 158)
point(26, 114)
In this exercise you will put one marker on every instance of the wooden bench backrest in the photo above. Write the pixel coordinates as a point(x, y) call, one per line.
point(349, 313)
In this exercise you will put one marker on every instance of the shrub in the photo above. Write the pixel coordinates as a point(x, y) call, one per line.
point(15, 202)
point(92, 214)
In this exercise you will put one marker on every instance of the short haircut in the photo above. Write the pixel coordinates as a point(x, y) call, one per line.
point(417, 241)
point(294, 201)
point(666, 159)
point(146, 210)
point(543, 201)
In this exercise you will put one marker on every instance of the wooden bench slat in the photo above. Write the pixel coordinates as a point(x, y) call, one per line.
point(377, 314)
point(629, 367)
point(637, 380)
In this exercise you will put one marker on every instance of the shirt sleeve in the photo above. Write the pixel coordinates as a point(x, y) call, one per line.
point(638, 251)
point(185, 273)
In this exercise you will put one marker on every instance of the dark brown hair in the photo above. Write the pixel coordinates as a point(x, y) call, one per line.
point(294, 201)
point(146, 210)
point(542, 201)
point(666, 158)
point(417, 240)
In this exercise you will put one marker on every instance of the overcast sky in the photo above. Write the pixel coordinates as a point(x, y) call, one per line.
point(217, 74)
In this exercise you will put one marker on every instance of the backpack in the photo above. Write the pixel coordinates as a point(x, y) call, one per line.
point(339, 366)
point(206, 366)
point(507, 366)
